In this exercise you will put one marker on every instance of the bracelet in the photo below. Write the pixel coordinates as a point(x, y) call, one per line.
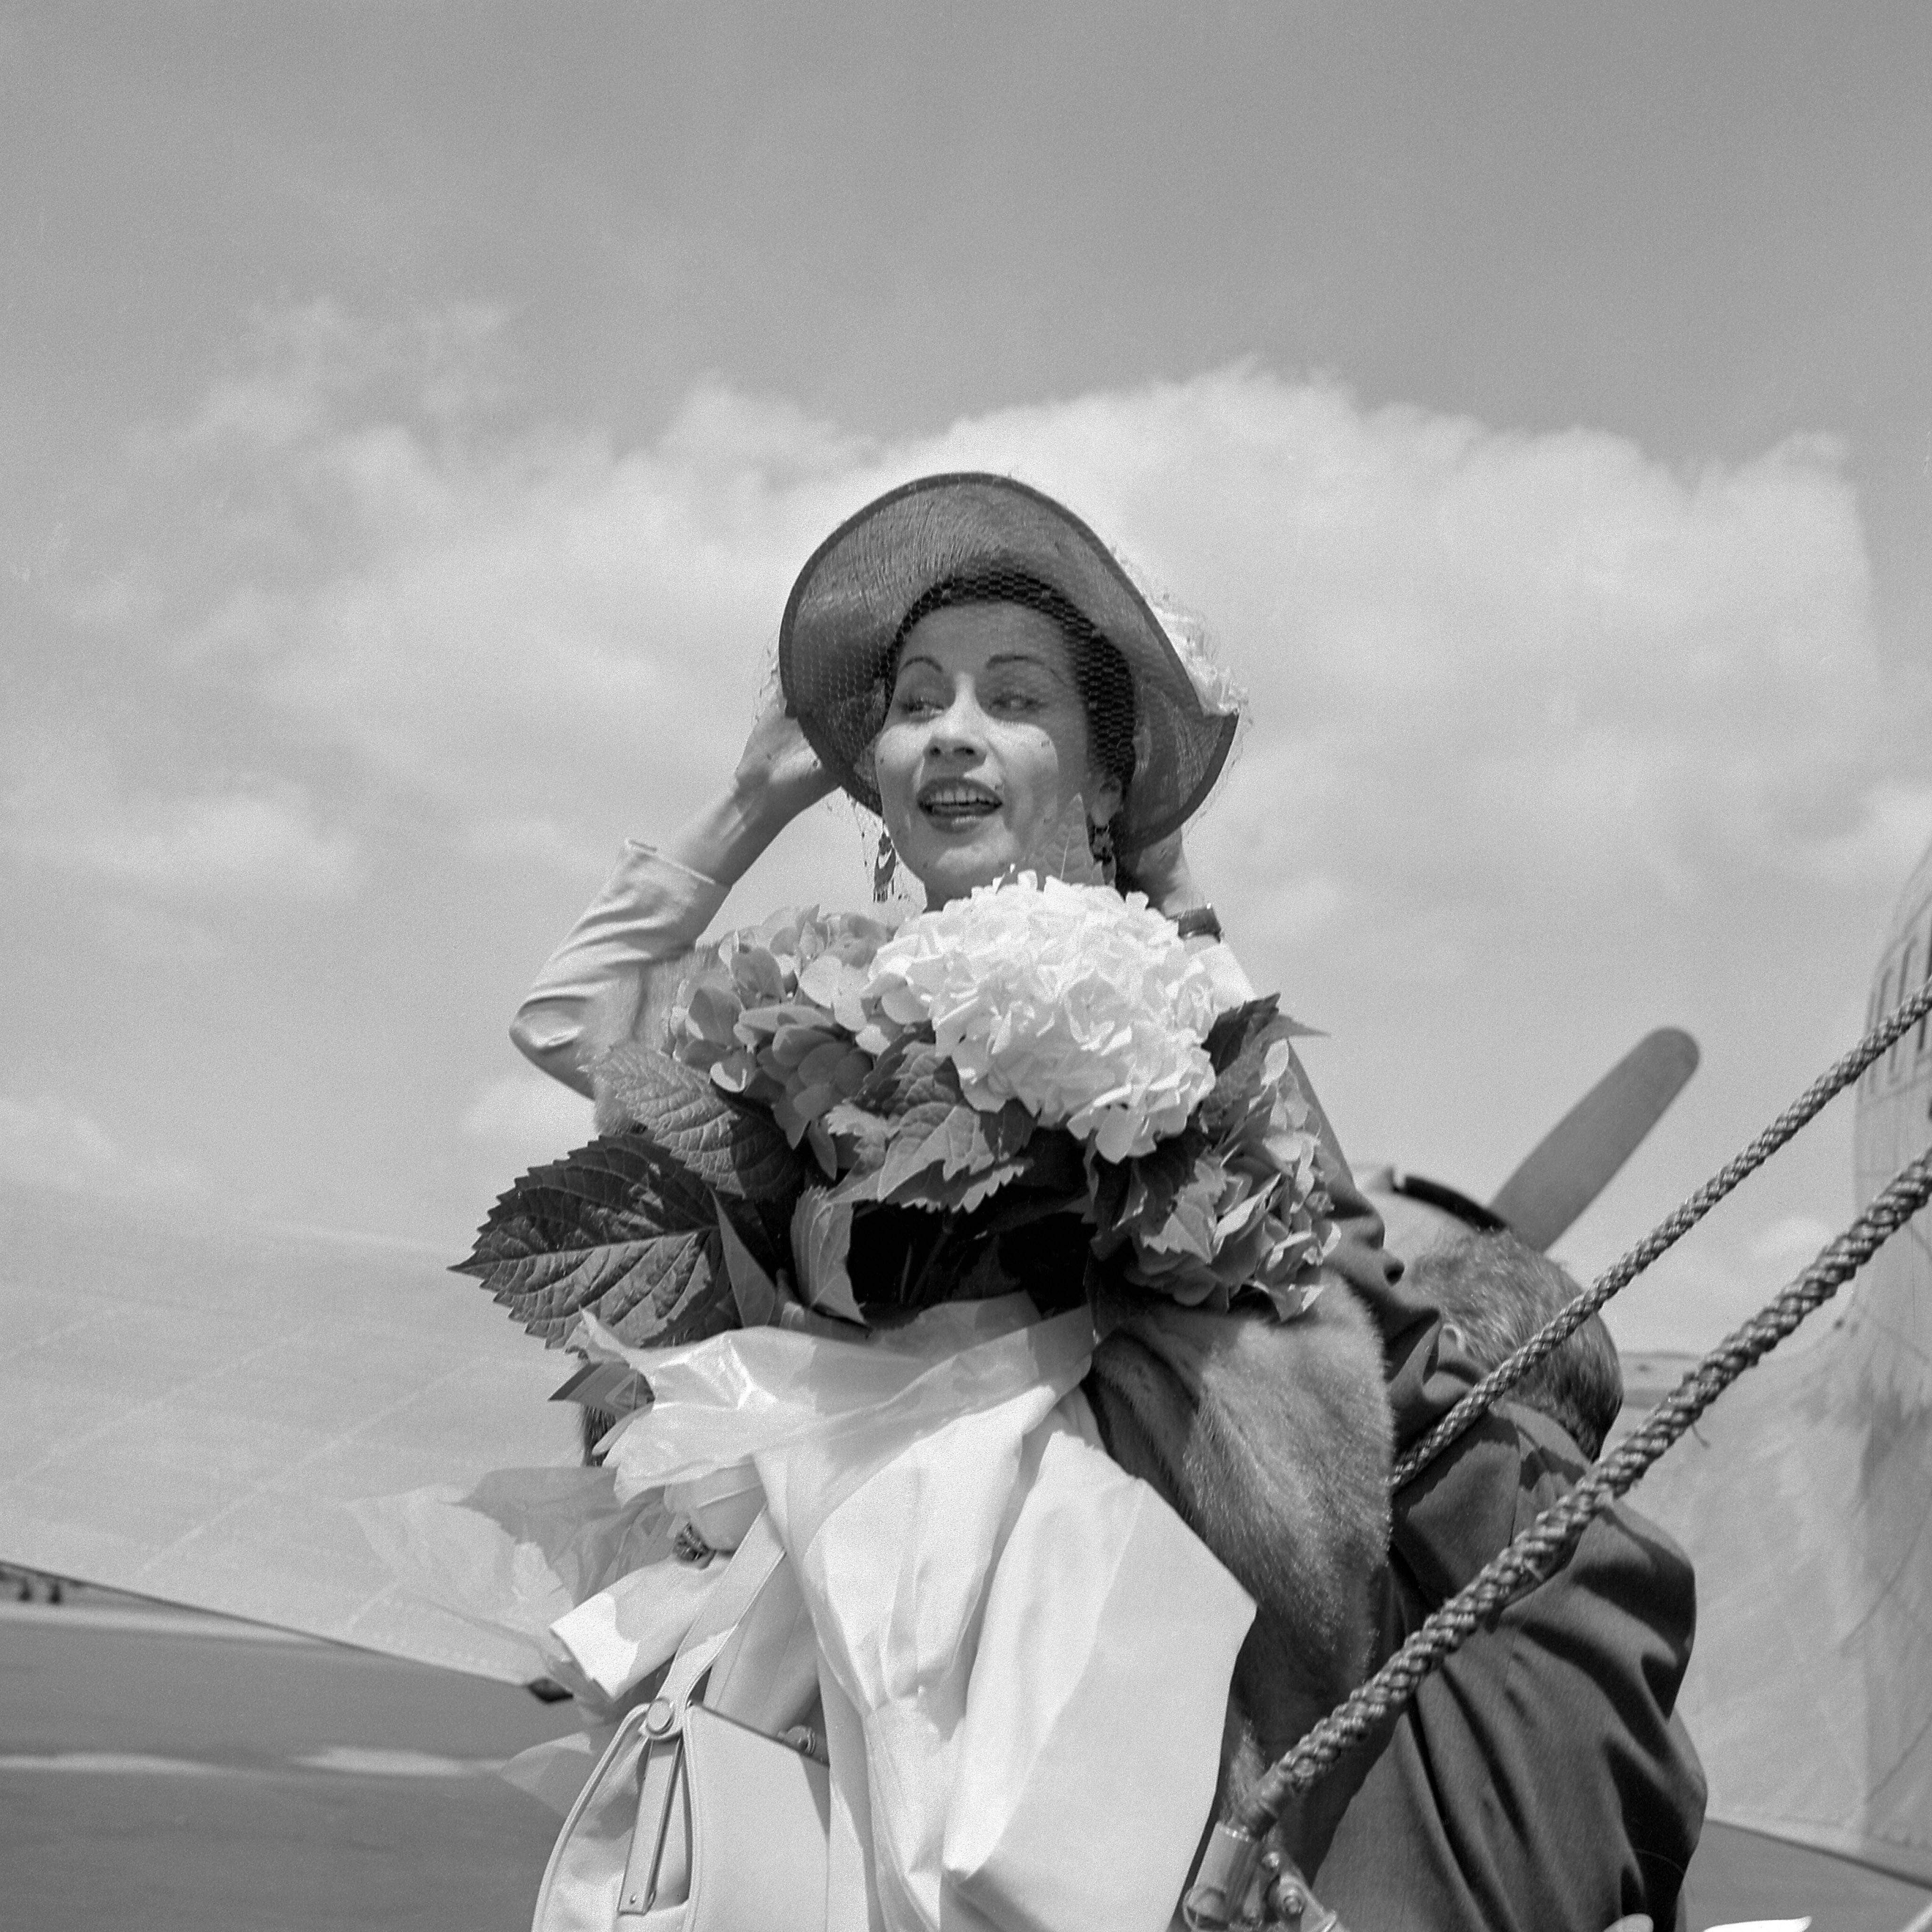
point(1197, 919)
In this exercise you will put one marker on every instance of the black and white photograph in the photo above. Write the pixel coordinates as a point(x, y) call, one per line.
point(969, 966)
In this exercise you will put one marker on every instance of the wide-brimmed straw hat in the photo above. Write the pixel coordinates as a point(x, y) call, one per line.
point(850, 600)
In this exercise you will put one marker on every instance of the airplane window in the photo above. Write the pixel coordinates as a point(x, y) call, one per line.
point(1904, 984)
point(1884, 1007)
point(1924, 1017)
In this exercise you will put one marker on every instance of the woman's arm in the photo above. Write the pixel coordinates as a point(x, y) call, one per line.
point(1161, 872)
point(778, 776)
point(593, 991)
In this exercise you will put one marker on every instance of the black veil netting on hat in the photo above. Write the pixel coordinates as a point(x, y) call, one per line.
point(973, 537)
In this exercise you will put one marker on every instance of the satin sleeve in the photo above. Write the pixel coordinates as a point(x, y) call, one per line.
point(609, 978)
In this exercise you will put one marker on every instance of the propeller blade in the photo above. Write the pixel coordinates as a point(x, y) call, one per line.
point(1572, 1163)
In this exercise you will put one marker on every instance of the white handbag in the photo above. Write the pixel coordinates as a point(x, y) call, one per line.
point(698, 1818)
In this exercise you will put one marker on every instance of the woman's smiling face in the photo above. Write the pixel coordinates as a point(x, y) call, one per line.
point(985, 745)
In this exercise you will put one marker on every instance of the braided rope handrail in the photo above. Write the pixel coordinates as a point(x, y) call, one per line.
point(1543, 1546)
point(1667, 1232)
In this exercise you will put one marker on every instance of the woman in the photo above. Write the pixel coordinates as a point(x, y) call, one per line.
point(964, 658)
point(1084, 698)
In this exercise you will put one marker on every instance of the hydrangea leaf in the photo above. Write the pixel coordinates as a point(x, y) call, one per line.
point(862, 1138)
point(1235, 1032)
point(1253, 1057)
point(911, 1072)
point(1190, 1224)
point(753, 1292)
point(821, 1246)
point(946, 1157)
point(1133, 1196)
point(1237, 1029)
point(616, 1229)
point(897, 1116)
point(1062, 849)
point(735, 1151)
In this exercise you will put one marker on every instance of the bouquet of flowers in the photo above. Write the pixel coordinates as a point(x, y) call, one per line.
point(1040, 1087)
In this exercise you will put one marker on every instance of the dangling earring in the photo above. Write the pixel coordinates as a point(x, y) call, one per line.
point(883, 867)
point(1100, 843)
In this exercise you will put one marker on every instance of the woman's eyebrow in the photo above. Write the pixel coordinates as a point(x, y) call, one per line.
point(1033, 657)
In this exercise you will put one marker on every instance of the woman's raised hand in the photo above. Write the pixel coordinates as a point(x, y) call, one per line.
point(1161, 871)
point(779, 774)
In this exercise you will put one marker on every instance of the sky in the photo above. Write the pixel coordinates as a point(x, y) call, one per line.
point(411, 419)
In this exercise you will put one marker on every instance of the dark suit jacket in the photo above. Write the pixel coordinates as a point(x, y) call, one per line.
point(1540, 1781)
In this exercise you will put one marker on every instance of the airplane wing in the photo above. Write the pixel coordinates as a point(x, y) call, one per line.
point(186, 1410)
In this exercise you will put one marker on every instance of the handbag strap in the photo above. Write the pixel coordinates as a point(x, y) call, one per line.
point(753, 1564)
point(749, 1570)
point(629, 1752)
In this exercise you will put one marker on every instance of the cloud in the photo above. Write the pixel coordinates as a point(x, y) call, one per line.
point(1582, 666)
point(1551, 741)
point(312, 362)
point(47, 1142)
point(1476, 656)
point(1893, 824)
point(262, 840)
point(537, 841)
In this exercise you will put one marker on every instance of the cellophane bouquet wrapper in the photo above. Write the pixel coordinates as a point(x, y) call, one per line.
point(997, 1606)
point(519, 1550)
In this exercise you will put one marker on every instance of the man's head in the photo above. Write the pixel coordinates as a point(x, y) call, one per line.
point(1496, 1292)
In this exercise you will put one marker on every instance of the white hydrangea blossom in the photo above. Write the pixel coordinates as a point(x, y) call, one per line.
point(1088, 1008)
